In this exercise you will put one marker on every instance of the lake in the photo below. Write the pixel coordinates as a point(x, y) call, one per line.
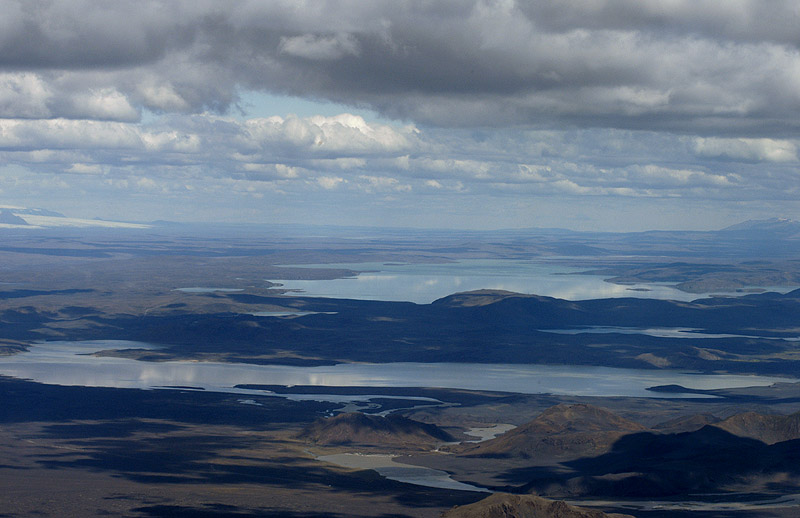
point(661, 332)
point(387, 466)
point(72, 363)
point(424, 283)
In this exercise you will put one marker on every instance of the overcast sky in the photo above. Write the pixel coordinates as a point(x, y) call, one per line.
point(587, 114)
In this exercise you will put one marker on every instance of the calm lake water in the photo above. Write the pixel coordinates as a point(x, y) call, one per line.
point(72, 363)
point(424, 283)
point(661, 332)
point(387, 466)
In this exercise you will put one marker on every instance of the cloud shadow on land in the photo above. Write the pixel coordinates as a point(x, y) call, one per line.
point(25, 401)
point(650, 465)
point(226, 511)
point(205, 460)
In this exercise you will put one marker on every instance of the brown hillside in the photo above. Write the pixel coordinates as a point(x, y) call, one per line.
point(690, 423)
point(769, 429)
point(560, 431)
point(358, 428)
point(502, 505)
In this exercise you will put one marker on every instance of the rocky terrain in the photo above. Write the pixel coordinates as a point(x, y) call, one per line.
point(560, 431)
point(357, 429)
point(769, 429)
point(502, 505)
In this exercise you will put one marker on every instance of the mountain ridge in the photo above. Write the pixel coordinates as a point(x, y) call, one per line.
point(561, 430)
point(504, 505)
point(364, 429)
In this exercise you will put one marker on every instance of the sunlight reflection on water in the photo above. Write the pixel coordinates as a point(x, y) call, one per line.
point(424, 283)
point(67, 363)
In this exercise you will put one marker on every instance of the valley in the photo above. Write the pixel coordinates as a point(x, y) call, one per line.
point(149, 373)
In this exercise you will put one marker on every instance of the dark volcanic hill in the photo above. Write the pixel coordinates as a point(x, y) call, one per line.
point(708, 460)
point(503, 505)
point(357, 428)
point(689, 423)
point(476, 298)
point(560, 431)
point(769, 429)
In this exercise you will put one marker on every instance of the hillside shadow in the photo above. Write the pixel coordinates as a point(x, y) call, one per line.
point(708, 460)
point(649, 465)
point(118, 429)
point(202, 460)
point(226, 511)
point(25, 401)
point(672, 513)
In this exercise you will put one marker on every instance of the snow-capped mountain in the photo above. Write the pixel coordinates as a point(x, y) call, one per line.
point(24, 217)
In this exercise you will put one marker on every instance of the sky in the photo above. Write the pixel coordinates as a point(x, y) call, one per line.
point(618, 115)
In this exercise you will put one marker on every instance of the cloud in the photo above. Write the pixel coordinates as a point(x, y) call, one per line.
point(658, 176)
point(23, 95)
point(79, 168)
point(477, 99)
point(27, 95)
point(67, 134)
point(344, 150)
point(329, 182)
point(694, 67)
point(340, 135)
point(319, 47)
point(747, 149)
point(372, 184)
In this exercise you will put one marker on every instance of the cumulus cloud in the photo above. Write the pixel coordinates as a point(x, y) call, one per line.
point(701, 66)
point(372, 184)
point(660, 176)
point(339, 135)
point(624, 98)
point(330, 182)
point(749, 149)
point(319, 47)
point(23, 95)
point(347, 151)
point(85, 169)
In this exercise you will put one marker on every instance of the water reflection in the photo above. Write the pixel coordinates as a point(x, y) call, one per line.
point(424, 283)
point(68, 363)
point(387, 466)
point(661, 332)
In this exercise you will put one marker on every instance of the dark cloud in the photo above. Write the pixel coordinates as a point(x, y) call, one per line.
point(694, 67)
point(694, 102)
point(83, 34)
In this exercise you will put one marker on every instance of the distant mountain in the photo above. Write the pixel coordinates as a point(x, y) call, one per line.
point(781, 226)
point(560, 431)
point(9, 218)
point(358, 428)
point(43, 218)
point(769, 429)
point(503, 505)
point(25, 211)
